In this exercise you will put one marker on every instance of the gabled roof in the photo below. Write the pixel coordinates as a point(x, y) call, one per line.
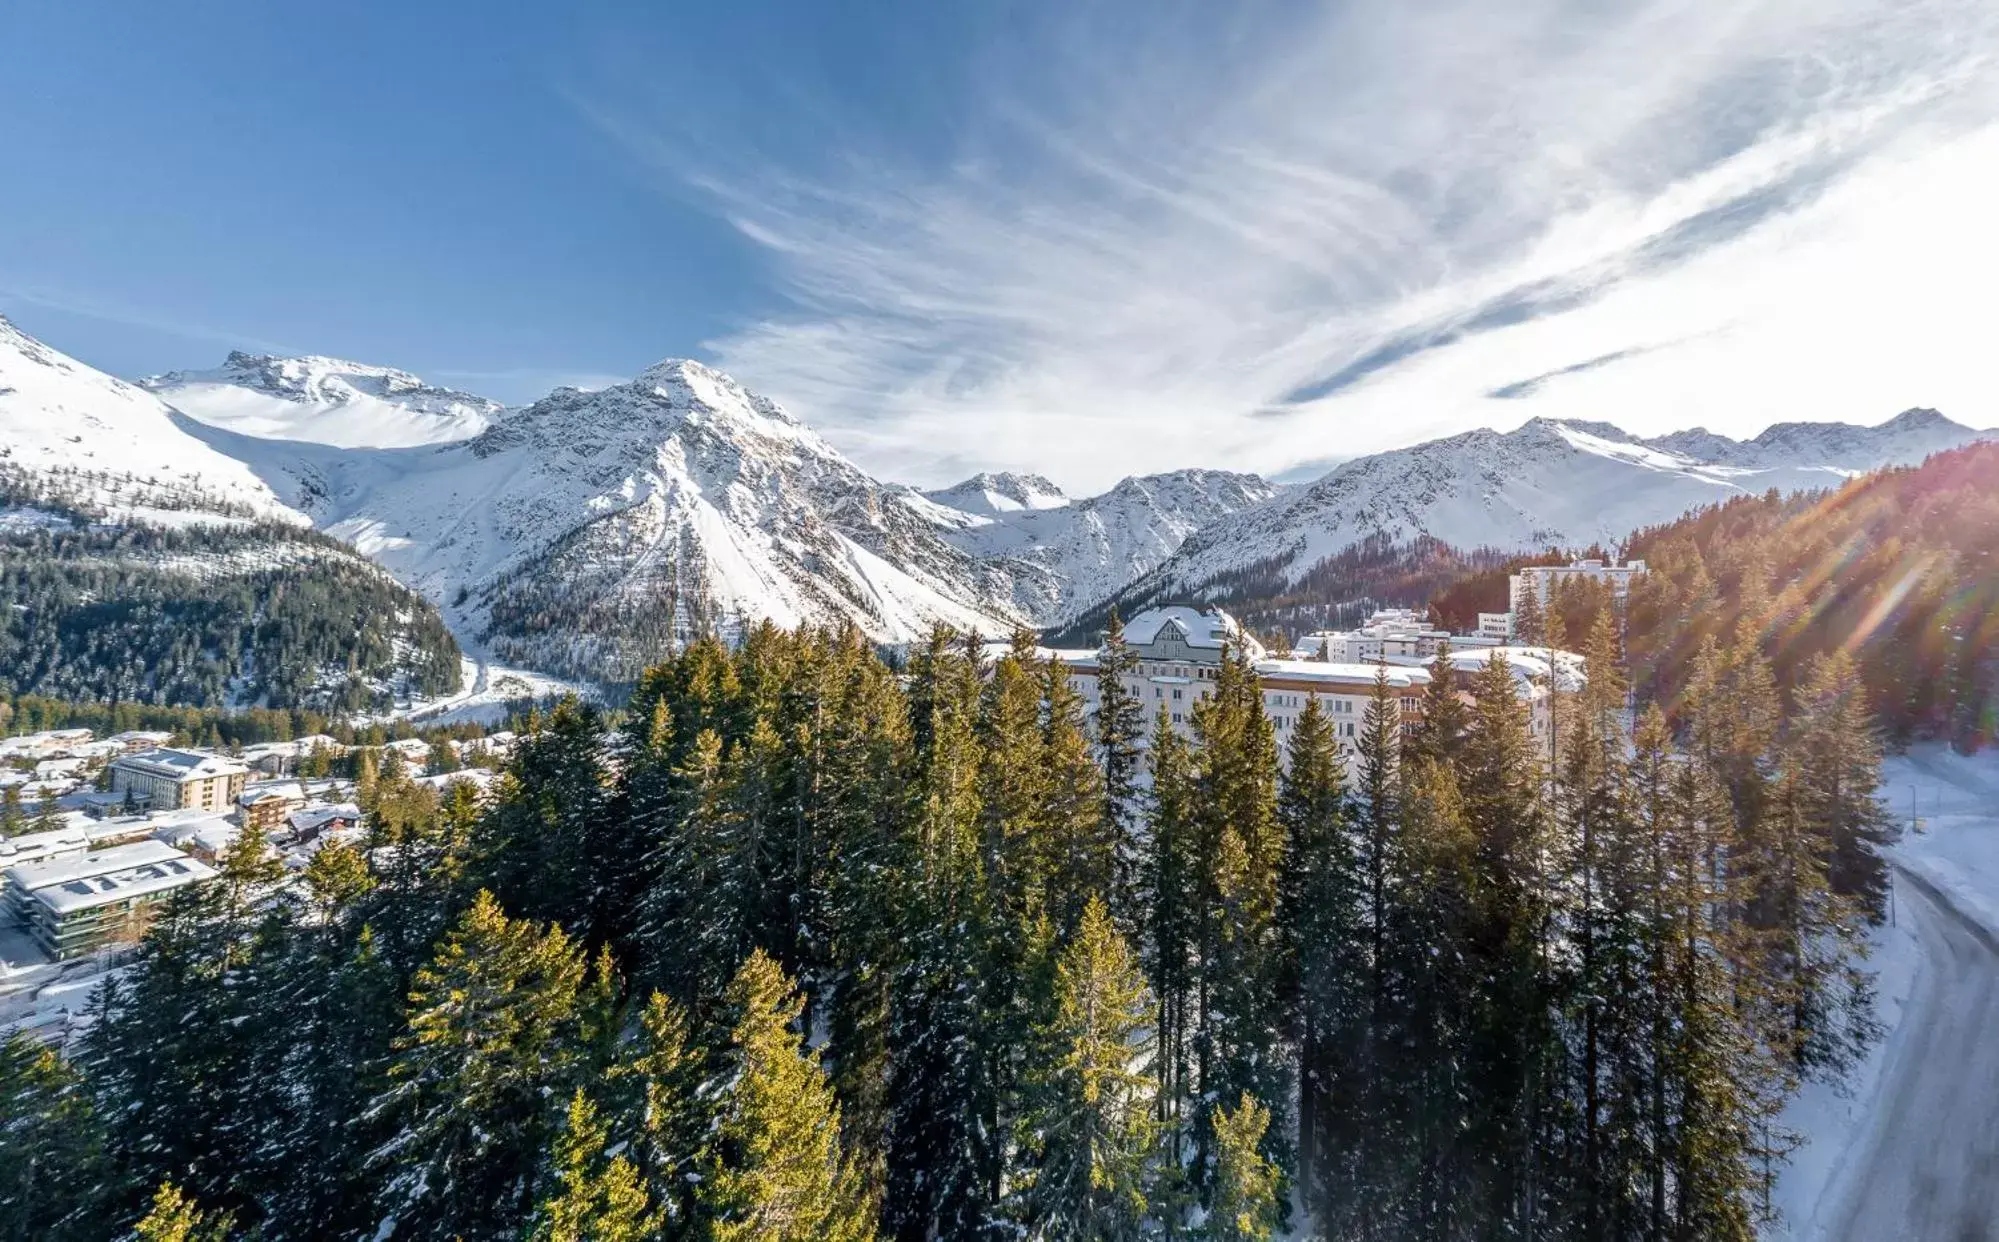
point(1207, 631)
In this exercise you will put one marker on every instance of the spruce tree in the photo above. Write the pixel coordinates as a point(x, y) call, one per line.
point(51, 1143)
point(591, 1197)
point(655, 1109)
point(1172, 922)
point(175, 1218)
point(1244, 1206)
point(939, 1153)
point(1088, 1134)
point(1839, 757)
point(775, 1171)
point(1120, 730)
point(1081, 836)
point(1321, 919)
point(1239, 846)
point(492, 1032)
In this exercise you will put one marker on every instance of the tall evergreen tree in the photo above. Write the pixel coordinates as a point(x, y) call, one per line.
point(592, 1196)
point(1245, 1194)
point(51, 1143)
point(1088, 1133)
point(1325, 970)
point(1120, 732)
point(1172, 923)
point(1239, 1045)
point(491, 1034)
point(775, 1171)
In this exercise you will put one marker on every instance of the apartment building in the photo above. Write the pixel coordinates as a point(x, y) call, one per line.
point(172, 780)
point(76, 904)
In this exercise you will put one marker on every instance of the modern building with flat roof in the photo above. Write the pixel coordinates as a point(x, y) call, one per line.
point(75, 905)
point(170, 780)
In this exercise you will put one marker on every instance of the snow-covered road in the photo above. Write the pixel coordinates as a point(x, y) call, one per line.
point(1928, 1164)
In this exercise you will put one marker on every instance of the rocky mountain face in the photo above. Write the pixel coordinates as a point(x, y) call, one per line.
point(324, 401)
point(1547, 483)
point(1064, 556)
point(581, 534)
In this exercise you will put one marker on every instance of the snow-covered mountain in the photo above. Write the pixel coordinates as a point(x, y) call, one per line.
point(1546, 483)
point(102, 444)
point(1063, 556)
point(324, 401)
point(991, 495)
point(576, 534)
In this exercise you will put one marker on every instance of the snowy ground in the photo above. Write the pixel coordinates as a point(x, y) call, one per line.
point(1916, 1127)
point(489, 691)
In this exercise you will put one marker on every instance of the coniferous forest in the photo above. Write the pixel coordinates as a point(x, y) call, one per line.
point(808, 947)
point(217, 615)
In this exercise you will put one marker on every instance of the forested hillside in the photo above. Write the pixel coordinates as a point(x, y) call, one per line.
point(1901, 568)
point(1489, 990)
point(219, 613)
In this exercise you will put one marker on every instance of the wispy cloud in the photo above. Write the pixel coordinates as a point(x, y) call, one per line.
point(1325, 230)
point(135, 317)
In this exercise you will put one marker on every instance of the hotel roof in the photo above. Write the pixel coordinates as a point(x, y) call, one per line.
point(181, 765)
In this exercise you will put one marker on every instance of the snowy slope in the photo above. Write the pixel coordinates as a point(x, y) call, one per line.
point(1064, 558)
point(575, 534)
point(324, 401)
point(1546, 483)
point(989, 495)
point(105, 444)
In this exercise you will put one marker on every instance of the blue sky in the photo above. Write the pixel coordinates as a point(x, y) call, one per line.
point(1088, 238)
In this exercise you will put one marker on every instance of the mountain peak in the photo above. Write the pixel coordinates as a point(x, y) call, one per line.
point(993, 492)
point(323, 400)
point(687, 383)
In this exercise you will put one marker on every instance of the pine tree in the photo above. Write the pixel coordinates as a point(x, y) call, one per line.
point(492, 1030)
point(1120, 729)
point(940, 1154)
point(1530, 621)
point(656, 1109)
point(1511, 1048)
point(1239, 847)
point(367, 775)
point(1171, 926)
point(1324, 968)
point(1088, 1134)
point(775, 1171)
point(1084, 862)
point(592, 1197)
point(175, 1218)
point(551, 848)
point(1439, 735)
point(1244, 1204)
point(50, 1143)
point(1840, 760)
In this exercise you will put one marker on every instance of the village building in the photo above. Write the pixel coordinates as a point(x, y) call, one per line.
point(1179, 656)
point(1541, 580)
point(265, 805)
point(74, 905)
point(178, 779)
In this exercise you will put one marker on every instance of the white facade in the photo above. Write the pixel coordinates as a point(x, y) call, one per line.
point(1176, 674)
point(1390, 634)
point(180, 779)
point(1541, 579)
